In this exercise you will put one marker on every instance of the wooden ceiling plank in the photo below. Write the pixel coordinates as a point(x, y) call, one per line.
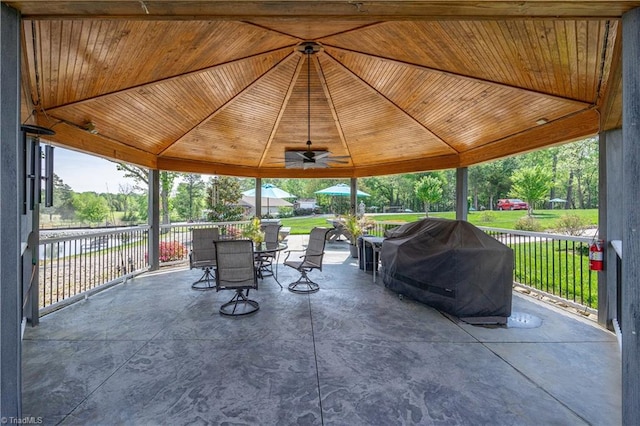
point(281, 111)
point(389, 101)
point(612, 82)
point(334, 114)
point(461, 76)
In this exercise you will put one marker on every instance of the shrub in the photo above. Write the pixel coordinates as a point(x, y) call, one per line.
point(528, 223)
point(172, 250)
point(285, 211)
point(570, 224)
point(487, 216)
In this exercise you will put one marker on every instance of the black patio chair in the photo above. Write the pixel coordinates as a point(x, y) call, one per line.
point(236, 271)
point(310, 260)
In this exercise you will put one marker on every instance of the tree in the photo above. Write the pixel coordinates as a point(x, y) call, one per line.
point(90, 207)
point(141, 176)
point(62, 200)
point(223, 195)
point(189, 197)
point(429, 190)
point(531, 184)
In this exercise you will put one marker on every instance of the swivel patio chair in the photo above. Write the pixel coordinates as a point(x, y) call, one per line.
point(310, 260)
point(236, 271)
point(266, 258)
point(203, 256)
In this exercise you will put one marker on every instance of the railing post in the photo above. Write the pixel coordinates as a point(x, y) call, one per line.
point(154, 219)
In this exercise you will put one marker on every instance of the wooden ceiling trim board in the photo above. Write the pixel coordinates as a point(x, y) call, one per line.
point(410, 166)
point(378, 10)
point(309, 29)
point(285, 101)
point(334, 114)
point(389, 101)
point(329, 48)
point(560, 131)
point(70, 136)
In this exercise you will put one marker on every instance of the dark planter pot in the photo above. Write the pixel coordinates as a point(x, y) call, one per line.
point(353, 249)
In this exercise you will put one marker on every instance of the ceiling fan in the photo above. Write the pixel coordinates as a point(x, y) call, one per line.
point(306, 159)
point(309, 158)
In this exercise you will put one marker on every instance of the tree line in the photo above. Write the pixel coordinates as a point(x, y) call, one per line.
point(568, 172)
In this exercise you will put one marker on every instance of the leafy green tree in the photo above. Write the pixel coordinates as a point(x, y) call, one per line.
point(429, 190)
point(189, 197)
point(223, 196)
point(532, 184)
point(141, 176)
point(62, 200)
point(90, 207)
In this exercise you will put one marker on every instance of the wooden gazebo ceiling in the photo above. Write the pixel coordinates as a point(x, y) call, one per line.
point(221, 87)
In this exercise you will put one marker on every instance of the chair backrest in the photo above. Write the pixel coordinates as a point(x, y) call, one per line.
point(235, 265)
point(271, 232)
point(315, 249)
point(202, 248)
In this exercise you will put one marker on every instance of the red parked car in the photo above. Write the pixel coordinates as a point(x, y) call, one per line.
point(512, 204)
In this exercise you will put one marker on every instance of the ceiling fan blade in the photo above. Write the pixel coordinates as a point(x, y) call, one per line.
point(322, 154)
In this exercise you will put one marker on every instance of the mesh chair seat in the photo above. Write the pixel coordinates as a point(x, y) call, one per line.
point(236, 271)
point(310, 260)
point(203, 256)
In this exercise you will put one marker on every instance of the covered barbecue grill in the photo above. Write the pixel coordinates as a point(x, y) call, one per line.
point(452, 266)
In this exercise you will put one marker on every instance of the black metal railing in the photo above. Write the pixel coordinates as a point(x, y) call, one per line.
point(555, 264)
point(75, 262)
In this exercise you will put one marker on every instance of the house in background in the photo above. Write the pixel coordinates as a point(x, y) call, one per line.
point(270, 206)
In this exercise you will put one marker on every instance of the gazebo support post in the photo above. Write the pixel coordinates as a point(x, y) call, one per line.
point(10, 218)
point(631, 211)
point(462, 189)
point(353, 197)
point(154, 219)
point(610, 220)
point(258, 198)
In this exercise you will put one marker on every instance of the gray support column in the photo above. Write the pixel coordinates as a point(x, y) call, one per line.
point(631, 211)
point(154, 219)
point(353, 206)
point(610, 221)
point(462, 191)
point(10, 247)
point(258, 197)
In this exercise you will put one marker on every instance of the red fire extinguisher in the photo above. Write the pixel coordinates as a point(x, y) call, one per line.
point(596, 255)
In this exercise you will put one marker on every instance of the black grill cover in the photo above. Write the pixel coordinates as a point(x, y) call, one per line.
point(452, 266)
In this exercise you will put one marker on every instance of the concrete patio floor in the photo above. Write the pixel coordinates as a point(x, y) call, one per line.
point(154, 352)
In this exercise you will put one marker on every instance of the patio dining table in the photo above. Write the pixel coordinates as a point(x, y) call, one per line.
point(265, 248)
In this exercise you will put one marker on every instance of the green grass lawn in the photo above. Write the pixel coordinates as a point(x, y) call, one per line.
point(494, 219)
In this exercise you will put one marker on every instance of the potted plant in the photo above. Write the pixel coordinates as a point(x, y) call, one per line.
point(253, 231)
point(353, 225)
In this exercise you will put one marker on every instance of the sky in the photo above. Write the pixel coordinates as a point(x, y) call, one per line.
point(84, 172)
